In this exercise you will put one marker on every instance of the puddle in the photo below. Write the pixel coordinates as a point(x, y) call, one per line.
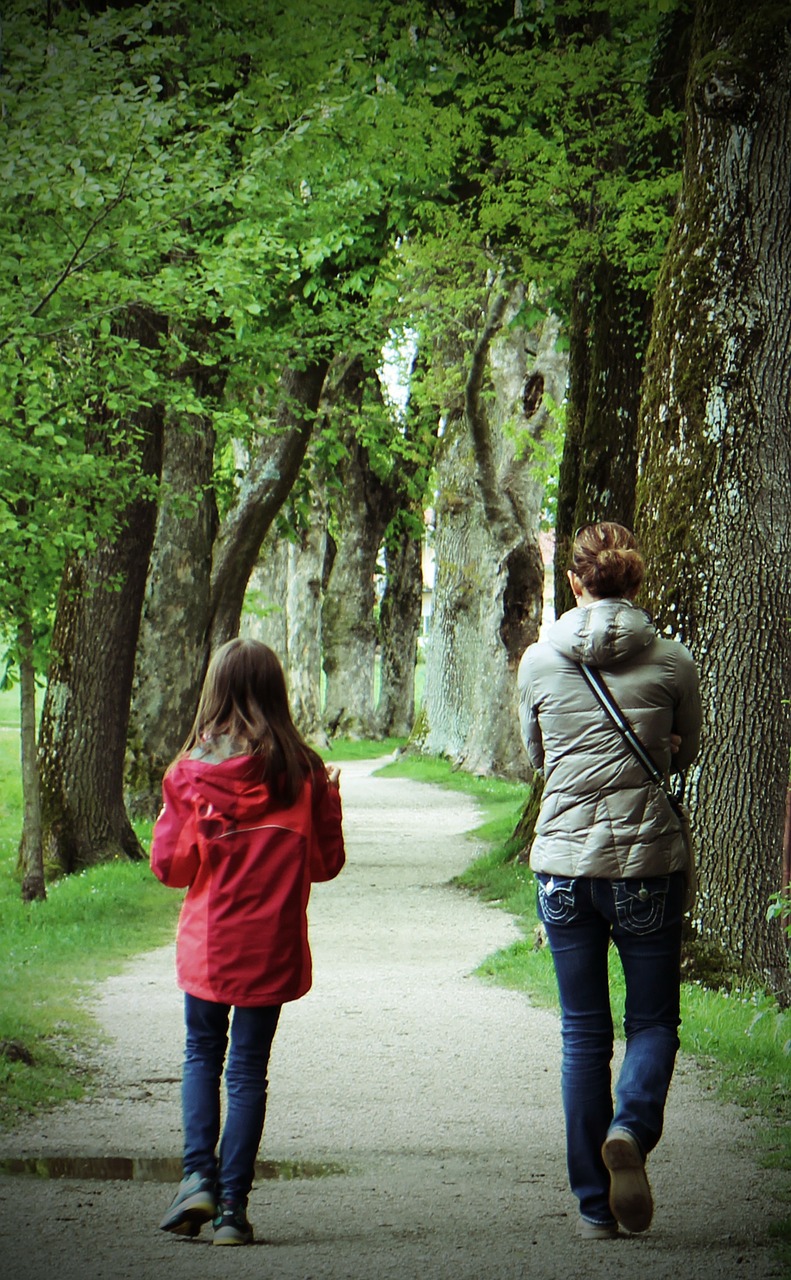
point(150, 1168)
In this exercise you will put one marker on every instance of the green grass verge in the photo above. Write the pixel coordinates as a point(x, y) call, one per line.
point(351, 749)
point(741, 1037)
point(86, 928)
point(49, 951)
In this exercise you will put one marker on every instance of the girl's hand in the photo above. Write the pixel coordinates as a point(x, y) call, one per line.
point(675, 742)
point(333, 775)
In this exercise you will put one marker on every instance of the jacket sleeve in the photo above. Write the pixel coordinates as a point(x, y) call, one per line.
point(174, 845)
point(688, 713)
point(327, 850)
point(528, 713)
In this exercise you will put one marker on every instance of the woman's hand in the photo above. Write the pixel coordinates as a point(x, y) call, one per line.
point(334, 774)
point(675, 742)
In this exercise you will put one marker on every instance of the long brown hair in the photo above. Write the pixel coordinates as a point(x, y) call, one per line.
point(606, 559)
point(244, 697)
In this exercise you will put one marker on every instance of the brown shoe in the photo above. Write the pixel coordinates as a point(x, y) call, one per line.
point(630, 1194)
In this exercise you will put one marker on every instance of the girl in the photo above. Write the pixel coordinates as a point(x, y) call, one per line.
point(610, 860)
point(250, 818)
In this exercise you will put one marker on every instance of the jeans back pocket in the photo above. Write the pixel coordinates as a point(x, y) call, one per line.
point(556, 903)
point(640, 904)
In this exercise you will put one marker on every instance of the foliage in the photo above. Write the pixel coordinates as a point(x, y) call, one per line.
point(231, 178)
point(564, 152)
point(780, 908)
point(260, 188)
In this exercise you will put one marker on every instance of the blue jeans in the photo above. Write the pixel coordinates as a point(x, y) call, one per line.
point(643, 918)
point(252, 1033)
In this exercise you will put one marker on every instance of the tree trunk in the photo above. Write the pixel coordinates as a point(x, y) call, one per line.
point(610, 330)
point(264, 489)
point(489, 587)
point(580, 318)
point(363, 508)
point(85, 715)
point(307, 576)
point(399, 628)
point(31, 847)
point(194, 605)
point(171, 651)
point(714, 509)
point(264, 612)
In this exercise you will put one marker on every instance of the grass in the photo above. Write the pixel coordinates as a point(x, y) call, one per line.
point(350, 749)
point(740, 1037)
point(87, 927)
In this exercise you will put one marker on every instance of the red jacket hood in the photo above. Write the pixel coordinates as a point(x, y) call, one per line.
point(233, 787)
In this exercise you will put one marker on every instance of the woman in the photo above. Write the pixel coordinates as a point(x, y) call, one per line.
point(609, 859)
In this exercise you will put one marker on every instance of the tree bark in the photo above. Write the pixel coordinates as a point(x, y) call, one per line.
point(399, 627)
point(713, 500)
point(489, 586)
point(85, 715)
point(610, 331)
point(171, 651)
point(307, 576)
point(198, 578)
point(363, 507)
point(264, 489)
point(264, 611)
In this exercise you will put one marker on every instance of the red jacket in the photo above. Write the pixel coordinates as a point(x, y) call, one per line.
point(248, 864)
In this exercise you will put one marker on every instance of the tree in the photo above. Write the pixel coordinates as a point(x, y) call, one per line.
point(86, 709)
point(63, 488)
point(331, 201)
point(363, 503)
point(158, 160)
point(489, 582)
point(400, 616)
point(715, 464)
point(170, 656)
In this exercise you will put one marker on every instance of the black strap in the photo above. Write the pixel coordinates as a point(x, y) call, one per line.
point(599, 687)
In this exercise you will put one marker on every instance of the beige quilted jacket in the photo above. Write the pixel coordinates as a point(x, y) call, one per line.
point(600, 814)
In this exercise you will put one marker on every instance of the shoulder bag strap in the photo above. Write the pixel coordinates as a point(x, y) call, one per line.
point(599, 687)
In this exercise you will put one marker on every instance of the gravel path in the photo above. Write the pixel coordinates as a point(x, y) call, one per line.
point(417, 1106)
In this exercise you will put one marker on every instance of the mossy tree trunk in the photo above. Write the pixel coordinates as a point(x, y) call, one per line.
point(199, 573)
point(307, 573)
point(399, 628)
point(171, 650)
point(714, 496)
point(609, 336)
point(84, 719)
point(489, 586)
point(284, 598)
point(264, 489)
point(363, 504)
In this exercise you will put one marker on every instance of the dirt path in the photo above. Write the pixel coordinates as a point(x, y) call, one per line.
point(423, 1104)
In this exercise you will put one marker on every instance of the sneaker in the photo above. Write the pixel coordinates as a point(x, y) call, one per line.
point(231, 1225)
point(588, 1230)
point(193, 1204)
point(630, 1194)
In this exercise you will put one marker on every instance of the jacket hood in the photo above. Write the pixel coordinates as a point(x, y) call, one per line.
point(233, 787)
point(603, 634)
